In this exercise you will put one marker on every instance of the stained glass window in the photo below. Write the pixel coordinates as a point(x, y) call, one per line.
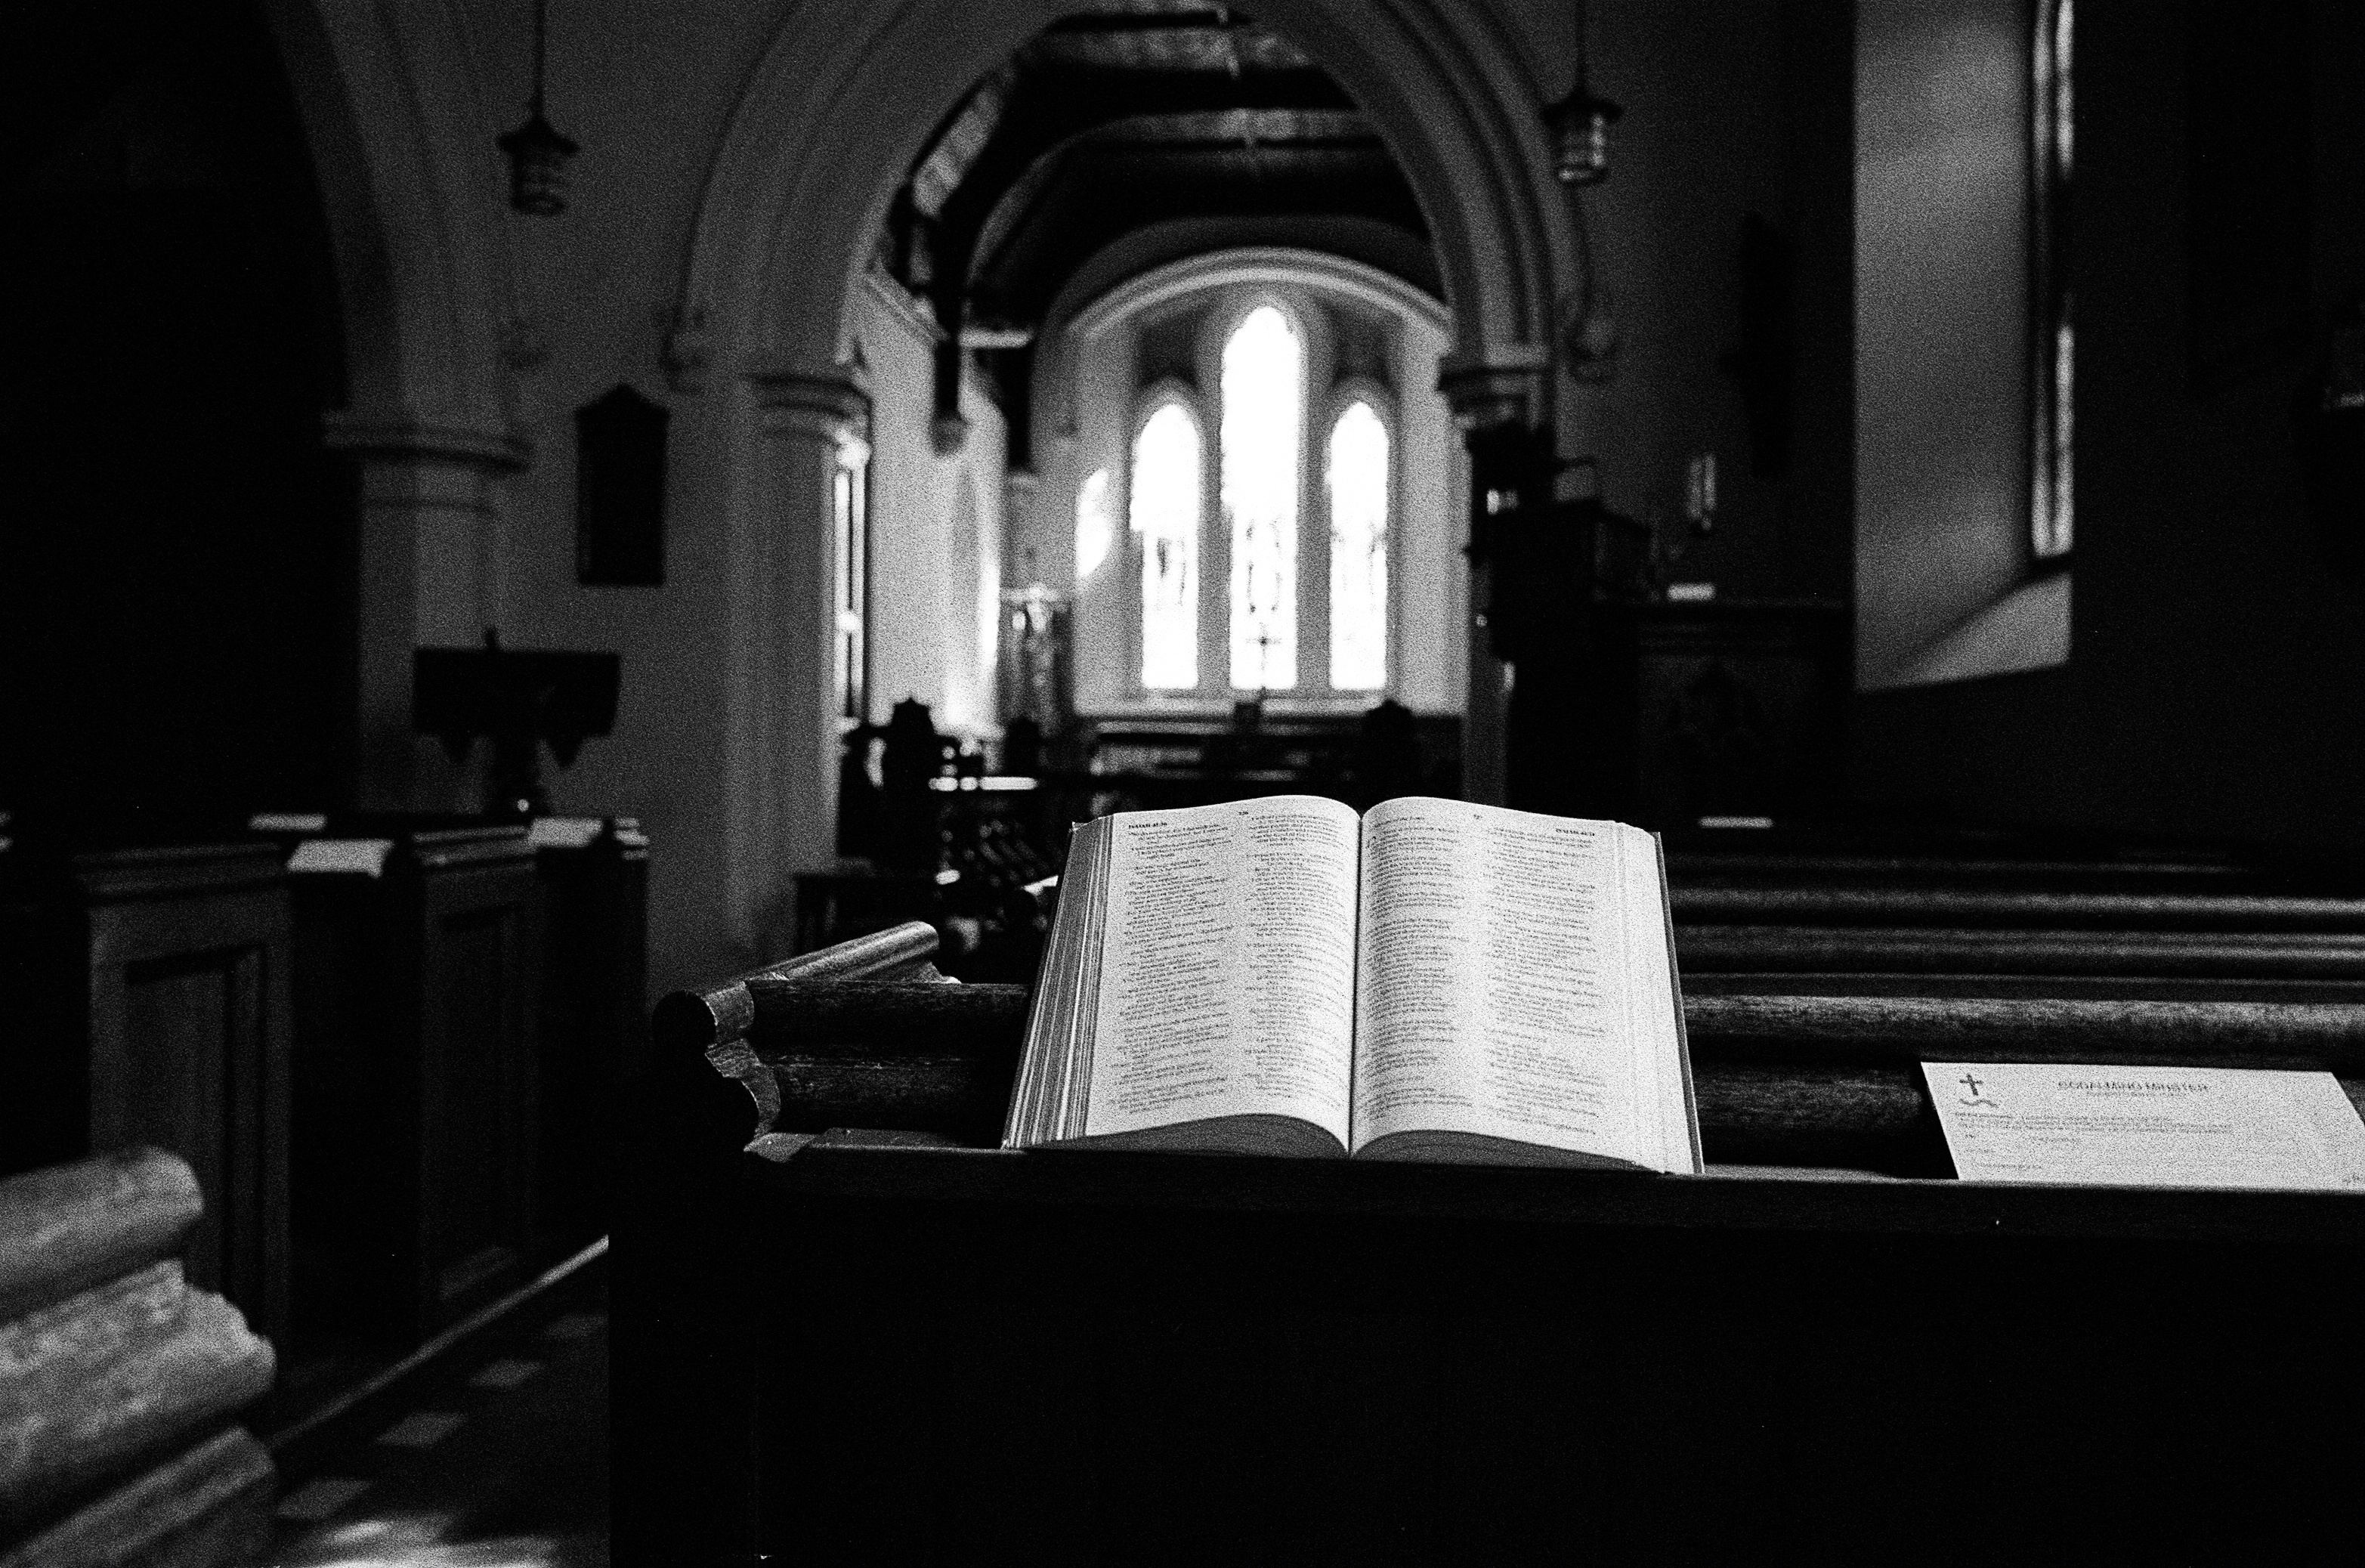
point(1355, 477)
point(1263, 381)
point(1165, 512)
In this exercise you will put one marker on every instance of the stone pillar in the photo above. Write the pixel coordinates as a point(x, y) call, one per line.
point(783, 745)
point(431, 576)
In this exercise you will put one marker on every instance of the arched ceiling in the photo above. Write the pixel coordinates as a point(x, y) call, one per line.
point(1129, 114)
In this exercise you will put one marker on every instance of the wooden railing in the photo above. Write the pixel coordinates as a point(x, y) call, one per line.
point(847, 1037)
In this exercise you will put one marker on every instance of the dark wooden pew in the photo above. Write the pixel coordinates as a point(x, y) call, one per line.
point(418, 966)
point(593, 1024)
point(119, 1381)
point(2004, 908)
point(1094, 1357)
point(145, 999)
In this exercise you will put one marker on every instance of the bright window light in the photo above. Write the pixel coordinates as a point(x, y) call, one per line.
point(1165, 512)
point(1356, 477)
point(1263, 388)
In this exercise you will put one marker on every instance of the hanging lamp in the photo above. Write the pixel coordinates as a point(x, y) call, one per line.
point(537, 152)
point(1580, 125)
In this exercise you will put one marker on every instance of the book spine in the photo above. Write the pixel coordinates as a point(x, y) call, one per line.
point(91, 1385)
point(1683, 1031)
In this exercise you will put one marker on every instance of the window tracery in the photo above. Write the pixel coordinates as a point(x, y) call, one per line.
point(1298, 610)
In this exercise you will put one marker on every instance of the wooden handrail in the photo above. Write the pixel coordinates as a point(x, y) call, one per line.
point(2329, 1034)
point(2213, 955)
point(697, 1020)
point(1815, 1079)
point(2015, 908)
point(855, 1018)
point(852, 1021)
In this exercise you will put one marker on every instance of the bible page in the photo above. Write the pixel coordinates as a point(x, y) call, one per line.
point(1227, 967)
point(1500, 998)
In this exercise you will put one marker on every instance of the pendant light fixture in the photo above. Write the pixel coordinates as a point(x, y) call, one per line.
point(1580, 125)
point(537, 152)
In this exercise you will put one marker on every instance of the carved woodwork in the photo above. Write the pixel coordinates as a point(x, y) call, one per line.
point(1713, 709)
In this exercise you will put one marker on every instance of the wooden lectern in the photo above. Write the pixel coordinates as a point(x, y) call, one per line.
point(907, 1345)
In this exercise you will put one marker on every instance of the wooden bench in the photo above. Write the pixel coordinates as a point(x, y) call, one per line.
point(2208, 920)
point(905, 1341)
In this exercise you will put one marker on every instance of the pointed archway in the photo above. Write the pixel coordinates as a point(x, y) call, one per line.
point(834, 114)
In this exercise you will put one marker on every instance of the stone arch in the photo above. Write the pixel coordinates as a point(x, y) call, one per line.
point(427, 289)
point(428, 285)
point(803, 177)
point(827, 125)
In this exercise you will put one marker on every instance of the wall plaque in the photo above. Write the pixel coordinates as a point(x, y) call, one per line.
point(619, 484)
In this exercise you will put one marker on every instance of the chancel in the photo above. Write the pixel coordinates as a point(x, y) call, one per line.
point(1900, 455)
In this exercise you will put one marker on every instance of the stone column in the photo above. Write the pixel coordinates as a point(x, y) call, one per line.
point(431, 576)
point(783, 743)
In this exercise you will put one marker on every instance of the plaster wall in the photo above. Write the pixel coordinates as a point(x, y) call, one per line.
point(2216, 664)
point(935, 525)
point(1709, 134)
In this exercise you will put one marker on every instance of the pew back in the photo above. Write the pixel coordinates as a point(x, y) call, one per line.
point(1105, 1357)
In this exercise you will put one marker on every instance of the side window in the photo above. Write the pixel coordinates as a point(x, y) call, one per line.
point(1963, 339)
point(1355, 483)
point(1165, 512)
point(1261, 439)
point(850, 555)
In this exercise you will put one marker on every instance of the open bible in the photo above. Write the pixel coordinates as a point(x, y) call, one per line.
point(1432, 980)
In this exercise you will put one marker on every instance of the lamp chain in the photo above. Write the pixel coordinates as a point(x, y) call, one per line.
point(541, 30)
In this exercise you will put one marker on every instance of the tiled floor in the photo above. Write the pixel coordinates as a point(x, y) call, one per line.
point(502, 1465)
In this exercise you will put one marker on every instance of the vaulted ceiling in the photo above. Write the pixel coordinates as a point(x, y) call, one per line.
point(1124, 116)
